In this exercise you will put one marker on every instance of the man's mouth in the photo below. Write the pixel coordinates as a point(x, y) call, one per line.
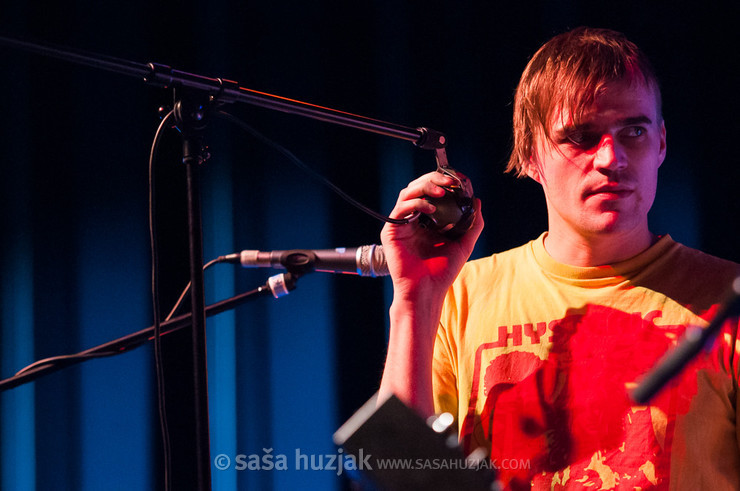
point(609, 192)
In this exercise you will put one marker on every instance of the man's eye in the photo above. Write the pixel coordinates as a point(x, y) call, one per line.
point(633, 131)
point(583, 138)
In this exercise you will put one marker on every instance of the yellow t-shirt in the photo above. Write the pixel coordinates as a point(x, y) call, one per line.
point(536, 359)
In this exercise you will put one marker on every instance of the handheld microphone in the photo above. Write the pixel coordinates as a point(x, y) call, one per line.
point(367, 260)
point(455, 211)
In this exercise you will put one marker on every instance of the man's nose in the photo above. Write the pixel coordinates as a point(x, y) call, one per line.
point(609, 154)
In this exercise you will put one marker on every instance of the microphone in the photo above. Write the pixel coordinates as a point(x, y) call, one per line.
point(367, 260)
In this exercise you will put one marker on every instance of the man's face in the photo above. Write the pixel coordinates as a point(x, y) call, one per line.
point(600, 177)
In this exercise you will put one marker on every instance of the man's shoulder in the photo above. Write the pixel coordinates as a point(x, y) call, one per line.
point(690, 258)
point(499, 262)
point(687, 275)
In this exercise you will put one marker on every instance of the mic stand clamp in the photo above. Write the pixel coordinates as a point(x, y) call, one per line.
point(299, 262)
point(191, 118)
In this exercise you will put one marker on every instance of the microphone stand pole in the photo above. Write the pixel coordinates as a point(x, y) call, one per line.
point(191, 117)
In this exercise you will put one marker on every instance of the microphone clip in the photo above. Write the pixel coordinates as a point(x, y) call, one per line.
point(298, 262)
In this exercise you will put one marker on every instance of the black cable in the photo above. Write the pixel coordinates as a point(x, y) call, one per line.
point(155, 303)
point(184, 293)
point(62, 361)
point(301, 165)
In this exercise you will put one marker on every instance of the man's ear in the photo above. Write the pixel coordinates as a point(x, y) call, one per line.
point(532, 170)
point(662, 149)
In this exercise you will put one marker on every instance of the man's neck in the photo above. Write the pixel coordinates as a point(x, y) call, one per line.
point(597, 250)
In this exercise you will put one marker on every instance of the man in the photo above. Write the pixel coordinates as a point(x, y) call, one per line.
point(535, 350)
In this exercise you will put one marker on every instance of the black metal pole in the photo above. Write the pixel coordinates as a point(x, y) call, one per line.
point(191, 116)
point(200, 364)
point(228, 91)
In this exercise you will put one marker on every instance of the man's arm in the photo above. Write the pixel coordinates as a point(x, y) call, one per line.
point(423, 266)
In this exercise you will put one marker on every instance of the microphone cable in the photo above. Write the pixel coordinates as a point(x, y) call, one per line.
point(184, 293)
point(153, 243)
point(307, 169)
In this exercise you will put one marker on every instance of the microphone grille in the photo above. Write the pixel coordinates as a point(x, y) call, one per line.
point(371, 261)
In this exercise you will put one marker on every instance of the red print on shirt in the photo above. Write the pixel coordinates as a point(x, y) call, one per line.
point(572, 411)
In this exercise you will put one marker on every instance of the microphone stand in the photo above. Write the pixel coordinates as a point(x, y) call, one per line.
point(201, 94)
point(278, 286)
point(693, 341)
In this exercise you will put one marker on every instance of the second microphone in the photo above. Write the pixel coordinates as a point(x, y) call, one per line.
point(367, 260)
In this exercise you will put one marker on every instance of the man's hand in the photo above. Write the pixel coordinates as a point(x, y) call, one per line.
point(423, 265)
